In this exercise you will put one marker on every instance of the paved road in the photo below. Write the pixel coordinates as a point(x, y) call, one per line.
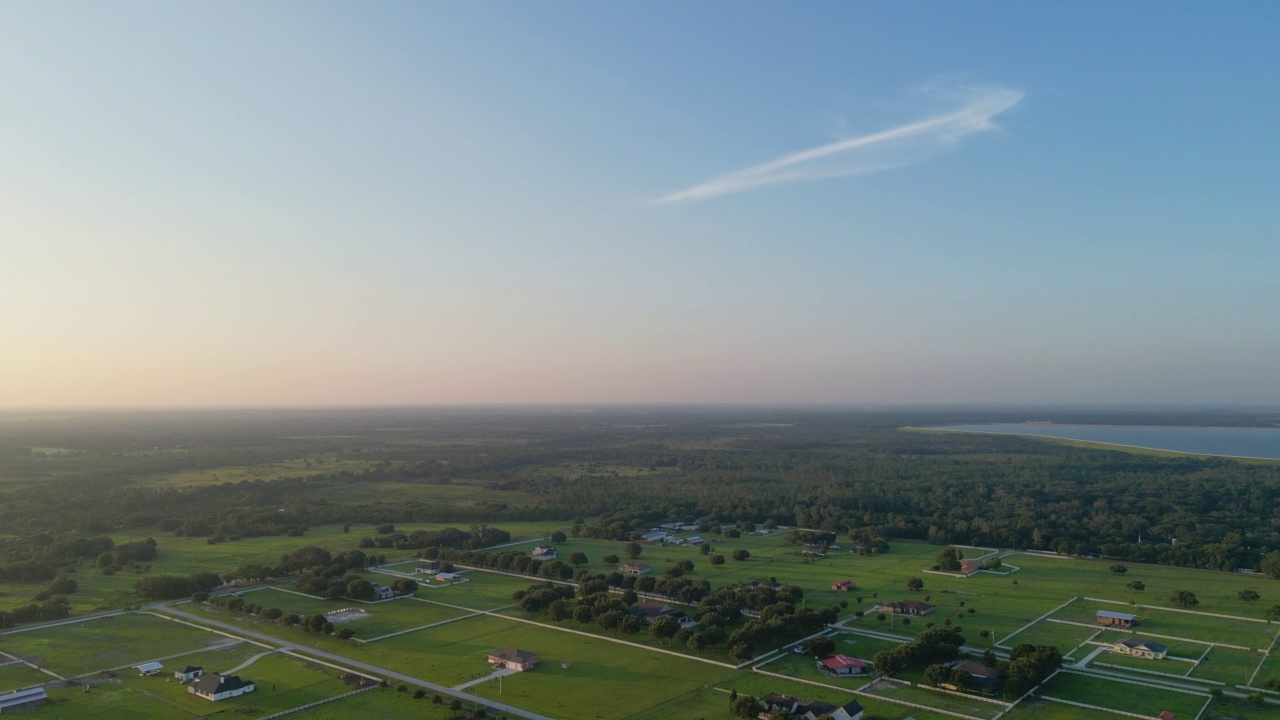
point(372, 669)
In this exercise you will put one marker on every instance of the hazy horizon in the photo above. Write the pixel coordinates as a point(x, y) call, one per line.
point(498, 204)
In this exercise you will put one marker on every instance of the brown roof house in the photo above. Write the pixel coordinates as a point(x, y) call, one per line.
point(513, 659)
point(634, 567)
point(1117, 619)
point(212, 686)
point(907, 607)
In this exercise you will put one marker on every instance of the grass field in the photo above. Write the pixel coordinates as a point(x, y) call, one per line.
point(1156, 621)
point(1127, 697)
point(282, 683)
point(95, 645)
point(383, 618)
point(380, 704)
point(17, 675)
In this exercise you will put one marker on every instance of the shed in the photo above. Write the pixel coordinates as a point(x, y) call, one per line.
point(150, 668)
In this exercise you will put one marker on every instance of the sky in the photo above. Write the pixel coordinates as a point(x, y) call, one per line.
point(316, 203)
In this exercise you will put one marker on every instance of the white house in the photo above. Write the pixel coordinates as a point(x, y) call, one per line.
point(212, 686)
point(188, 673)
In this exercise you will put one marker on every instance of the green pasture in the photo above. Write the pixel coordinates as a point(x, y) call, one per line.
point(282, 682)
point(1064, 637)
point(382, 704)
point(1124, 696)
point(482, 590)
point(1233, 667)
point(1270, 668)
point(1156, 621)
point(18, 675)
point(611, 679)
point(1168, 666)
point(402, 613)
point(100, 644)
point(939, 700)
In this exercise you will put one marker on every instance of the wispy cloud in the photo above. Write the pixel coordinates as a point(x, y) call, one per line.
point(873, 152)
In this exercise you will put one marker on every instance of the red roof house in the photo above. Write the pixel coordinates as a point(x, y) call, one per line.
point(843, 665)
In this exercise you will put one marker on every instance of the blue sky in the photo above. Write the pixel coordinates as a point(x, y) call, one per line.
point(324, 203)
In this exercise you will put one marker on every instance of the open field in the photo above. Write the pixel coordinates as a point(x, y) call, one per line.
point(382, 618)
point(17, 675)
point(95, 645)
point(380, 704)
point(1170, 623)
point(760, 685)
point(482, 591)
point(282, 682)
point(1124, 696)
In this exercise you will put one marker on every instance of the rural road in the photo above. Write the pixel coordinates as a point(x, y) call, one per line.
point(372, 669)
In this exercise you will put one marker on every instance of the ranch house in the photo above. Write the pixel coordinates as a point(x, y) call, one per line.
point(513, 659)
point(212, 686)
point(1117, 619)
point(1135, 647)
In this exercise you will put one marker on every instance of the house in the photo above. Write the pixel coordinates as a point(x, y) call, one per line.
point(694, 540)
point(382, 593)
point(843, 665)
point(513, 659)
point(215, 687)
point(843, 585)
point(430, 567)
point(634, 567)
point(1117, 619)
point(969, 567)
point(447, 577)
point(774, 701)
point(21, 699)
point(907, 607)
point(814, 551)
point(657, 536)
point(1165, 715)
point(650, 611)
point(985, 679)
point(851, 710)
point(810, 711)
point(150, 668)
point(544, 552)
point(1135, 647)
point(188, 673)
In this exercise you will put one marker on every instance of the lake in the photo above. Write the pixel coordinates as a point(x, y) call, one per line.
point(1226, 441)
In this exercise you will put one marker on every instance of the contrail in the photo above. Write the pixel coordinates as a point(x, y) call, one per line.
point(906, 140)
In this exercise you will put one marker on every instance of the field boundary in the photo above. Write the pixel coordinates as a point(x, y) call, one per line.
point(1155, 635)
point(864, 693)
point(1180, 610)
point(1045, 616)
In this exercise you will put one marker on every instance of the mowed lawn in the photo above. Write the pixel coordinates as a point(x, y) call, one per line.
point(482, 590)
point(759, 685)
point(1123, 696)
point(105, 643)
point(18, 675)
point(1059, 635)
point(382, 618)
point(604, 679)
point(1172, 624)
point(282, 683)
point(381, 704)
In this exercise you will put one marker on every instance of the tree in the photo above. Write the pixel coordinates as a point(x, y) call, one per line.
point(949, 560)
point(1271, 564)
point(664, 627)
point(1184, 598)
point(1248, 595)
point(742, 651)
point(744, 706)
point(717, 559)
point(360, 589)
point(936, 675)
point(612, 559)
point(633, 550)
point(558, 537)
point(1119, 569)
point(610, 620)
point(1137, 585)
point(578, 558)
point(741, 554)
point(696, 643)
point(993, 563)
point(821, 645)
point(346, 634)
point(685, 565)
point(704, 549)
point(1273, 612)
point(915, 584)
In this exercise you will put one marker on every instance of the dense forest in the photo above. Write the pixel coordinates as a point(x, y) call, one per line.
point(67, 482)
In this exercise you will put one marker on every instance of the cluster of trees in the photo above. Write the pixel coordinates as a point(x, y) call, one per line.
point(317, 623)
point(589, 602)
point(172, 587)
point(479, 536)
point(933, 646)
point(41, 557)
point(514, 561)
point(1029, 665)
point(56, 607)
point(949, 560)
